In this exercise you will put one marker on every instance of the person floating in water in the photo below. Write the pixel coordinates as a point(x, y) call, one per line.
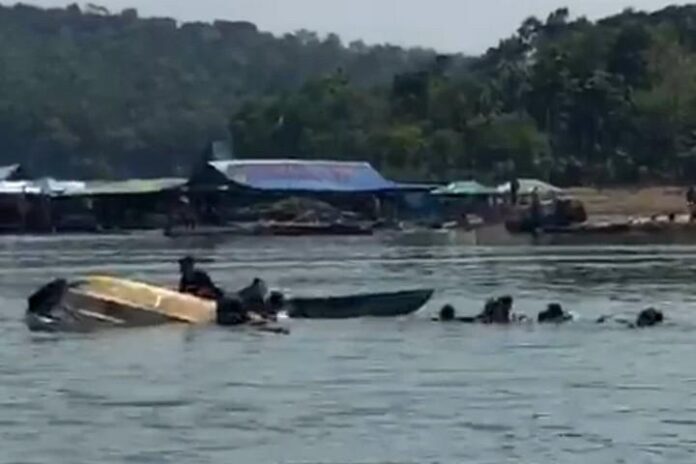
point(196, 281)
point(554, 314)
point(495, 311)
point(649, 317)
point(231, 312)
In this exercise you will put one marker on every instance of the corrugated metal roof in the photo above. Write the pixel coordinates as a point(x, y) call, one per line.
point(464, 188)
point(304, 175)
point(131, 186)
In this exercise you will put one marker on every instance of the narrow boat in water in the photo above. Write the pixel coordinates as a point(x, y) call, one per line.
point(354, 306)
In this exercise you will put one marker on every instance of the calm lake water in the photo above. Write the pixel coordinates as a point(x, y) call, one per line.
point(364, 391)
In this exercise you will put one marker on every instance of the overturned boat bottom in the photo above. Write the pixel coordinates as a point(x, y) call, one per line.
point(96, 303)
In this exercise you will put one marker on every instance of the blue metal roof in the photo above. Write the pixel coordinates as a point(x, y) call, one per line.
point(304, 175)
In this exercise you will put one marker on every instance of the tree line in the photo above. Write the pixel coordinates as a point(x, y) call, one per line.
point(570, 101)
point(85, 92)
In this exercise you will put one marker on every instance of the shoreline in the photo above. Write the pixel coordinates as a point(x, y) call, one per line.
point(625, 202)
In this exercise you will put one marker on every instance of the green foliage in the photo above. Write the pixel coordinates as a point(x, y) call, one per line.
point(89, 93)
point(568, 101)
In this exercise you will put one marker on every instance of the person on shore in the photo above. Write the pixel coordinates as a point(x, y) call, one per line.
point(514, 190)
point(554, 314)
point(691, 203)
point(197, 282)
point(535, 210)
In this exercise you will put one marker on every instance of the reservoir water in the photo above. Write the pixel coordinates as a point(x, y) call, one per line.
point(363, 391)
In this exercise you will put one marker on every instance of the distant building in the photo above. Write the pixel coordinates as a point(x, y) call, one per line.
point(229, 184)
point(292, 176)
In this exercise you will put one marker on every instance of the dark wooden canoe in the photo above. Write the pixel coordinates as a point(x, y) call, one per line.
point(354, 306)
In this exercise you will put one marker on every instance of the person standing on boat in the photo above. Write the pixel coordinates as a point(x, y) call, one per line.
point(197, 282)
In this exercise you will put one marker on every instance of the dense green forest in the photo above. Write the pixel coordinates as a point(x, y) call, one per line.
point(88, 93)
point(570, 101)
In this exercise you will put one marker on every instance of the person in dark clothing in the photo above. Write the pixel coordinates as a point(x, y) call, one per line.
point(447, 314)
point(553, 314)
point(254, 296)
point(504, 310)
point(535, 210)
point(649, 317)
point(231, 312)
point(197, 282)
point(514, 190)
point(691, 203)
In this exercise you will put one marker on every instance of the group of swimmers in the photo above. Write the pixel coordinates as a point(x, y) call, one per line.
point(258, 307)
point(500, 311)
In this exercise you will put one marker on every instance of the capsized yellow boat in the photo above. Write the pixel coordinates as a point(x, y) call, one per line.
point(101, 302)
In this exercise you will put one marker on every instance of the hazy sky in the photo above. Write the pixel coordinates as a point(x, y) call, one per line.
point(449, 25)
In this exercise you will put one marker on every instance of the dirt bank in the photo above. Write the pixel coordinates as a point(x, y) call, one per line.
point(631, 201)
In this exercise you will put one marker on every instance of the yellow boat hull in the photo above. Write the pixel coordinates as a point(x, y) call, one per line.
point(104, 302)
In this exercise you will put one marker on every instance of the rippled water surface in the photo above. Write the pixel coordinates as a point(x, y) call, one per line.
point(364, 391)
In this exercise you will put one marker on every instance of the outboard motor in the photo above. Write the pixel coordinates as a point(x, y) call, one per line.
point(42, 304)
point(44, 300)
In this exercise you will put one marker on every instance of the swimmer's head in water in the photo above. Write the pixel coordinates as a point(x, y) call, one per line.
point(554, 310)
point(506, 301)
point(447, 313)
point(276, 300)
point(649, 317)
